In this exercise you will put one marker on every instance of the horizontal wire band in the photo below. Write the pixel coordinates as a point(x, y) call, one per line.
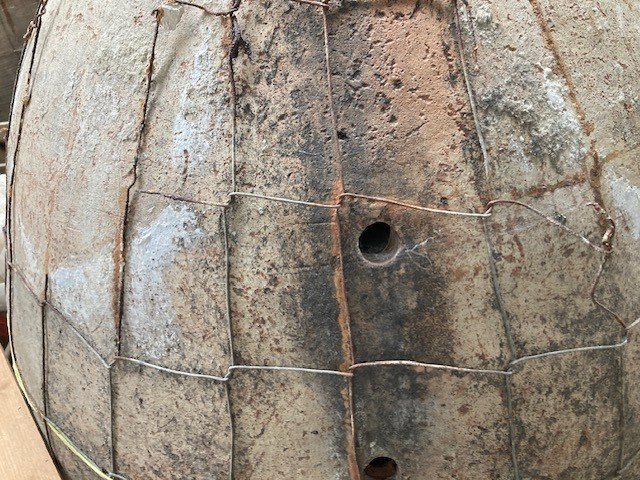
point(183, 199)
point(290, 369)
point(568, 351)
point(283, 200)
point(28, 287)
point(110, 475)
point(230, 370)
point(415, 207)
point(205, 9)
point(488, 213)
point(170, 370)
point(375, 363)
point(435, 366)
point(549, 219)
point(313, 2)
point(310, 203)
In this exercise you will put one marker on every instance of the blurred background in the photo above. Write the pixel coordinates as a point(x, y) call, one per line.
point(15, 16)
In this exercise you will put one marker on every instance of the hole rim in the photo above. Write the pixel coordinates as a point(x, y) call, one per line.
point(375, 249)
point(381, 468)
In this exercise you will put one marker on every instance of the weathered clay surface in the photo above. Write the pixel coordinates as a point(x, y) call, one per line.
point(69, 464)
point(630, 377)
point(282, 263)
point(561, 416)
point(547, 294)
point(442, 425)
point(87, 396)
point(290, 425)
point(177, 255)
point(165, 423)
point(531, 129)
point(403, 115)
point(595, 43)
point(631, 471)
point(28, 345)
point(284, 122)
point(434, 302)
point(182, 311)
point(190, 110)
point(93, 148)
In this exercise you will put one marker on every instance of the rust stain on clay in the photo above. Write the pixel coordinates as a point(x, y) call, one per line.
point(543, 189)
point(338, 276)
point(345, 328)
point(118, 261)
point(595, 180)
point(338, 279)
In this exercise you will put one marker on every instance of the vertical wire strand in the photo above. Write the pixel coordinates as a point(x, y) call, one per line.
point(236, 42)
point(490, 247)
point(230, 337)
point(45, 352)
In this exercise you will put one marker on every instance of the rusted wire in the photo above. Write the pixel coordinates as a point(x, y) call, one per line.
point(223, 13)
point(37, 21)
point(433, 366)
point(594, 287)
point(549, 219)
point(415, 207)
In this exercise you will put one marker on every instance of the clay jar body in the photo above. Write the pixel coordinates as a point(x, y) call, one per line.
point(196, 290)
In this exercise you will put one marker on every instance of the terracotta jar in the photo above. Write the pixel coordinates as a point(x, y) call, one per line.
point(369, 239)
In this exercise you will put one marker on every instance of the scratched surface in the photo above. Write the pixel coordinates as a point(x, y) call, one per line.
point(188, 295)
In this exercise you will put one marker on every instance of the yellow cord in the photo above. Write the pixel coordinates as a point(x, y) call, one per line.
point(54, 428)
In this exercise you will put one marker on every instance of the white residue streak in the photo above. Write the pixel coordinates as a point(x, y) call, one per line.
point(149, 310)
point(555, 90)
point(626, 200)
point(83, 291)
point(195, 126)
point(564, 131)
point(171, 15)
point(32, 265)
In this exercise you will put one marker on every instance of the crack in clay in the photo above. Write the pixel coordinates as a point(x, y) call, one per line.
point(120, 246)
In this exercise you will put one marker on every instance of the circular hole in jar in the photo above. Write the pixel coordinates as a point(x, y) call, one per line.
point(378, 243)
point(381, 468)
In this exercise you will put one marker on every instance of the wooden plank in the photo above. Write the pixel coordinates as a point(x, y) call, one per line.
point(23, 455)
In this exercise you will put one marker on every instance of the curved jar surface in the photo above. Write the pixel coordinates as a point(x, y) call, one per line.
point(372, 239)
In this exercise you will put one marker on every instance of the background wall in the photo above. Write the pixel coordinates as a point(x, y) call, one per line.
point(15, 15)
